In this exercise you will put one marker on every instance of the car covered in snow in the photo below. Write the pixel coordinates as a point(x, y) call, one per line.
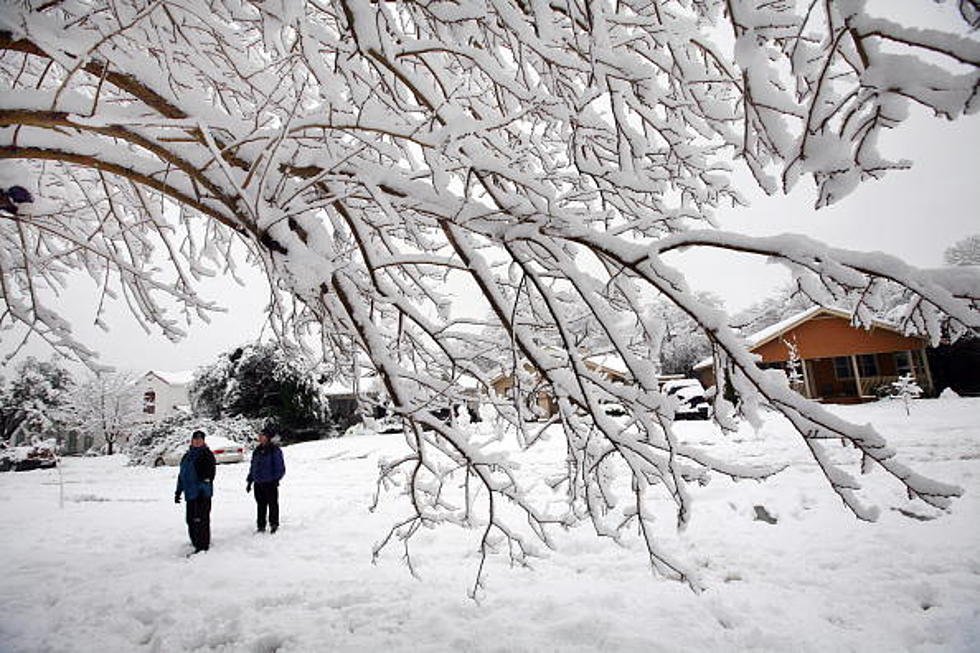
point(689, 394)
point(224, 450)
point(38, 455)
point(612, 408)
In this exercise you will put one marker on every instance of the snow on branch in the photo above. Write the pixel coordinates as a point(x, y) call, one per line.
point(839, 271)
point(372, 157)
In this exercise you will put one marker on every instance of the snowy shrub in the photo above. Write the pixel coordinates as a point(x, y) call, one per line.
point(948, 393)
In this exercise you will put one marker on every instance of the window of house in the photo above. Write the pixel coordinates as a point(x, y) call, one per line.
point(149, 402)
point(842, 367)
point(868, 364)
point(903, 363)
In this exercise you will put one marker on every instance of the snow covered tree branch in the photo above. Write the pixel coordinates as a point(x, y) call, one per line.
point(542, 157)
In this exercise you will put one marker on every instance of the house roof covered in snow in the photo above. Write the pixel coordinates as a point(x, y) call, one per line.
point(774, 331)
point(779, 328)
point(183, 377)
point(610, 362)
point(611, 365)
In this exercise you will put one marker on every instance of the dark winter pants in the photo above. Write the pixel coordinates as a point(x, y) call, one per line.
point(267, 499)
point(199, 522)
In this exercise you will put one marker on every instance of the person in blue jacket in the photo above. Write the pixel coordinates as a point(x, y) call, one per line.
point(265, 472)
point(196, 482)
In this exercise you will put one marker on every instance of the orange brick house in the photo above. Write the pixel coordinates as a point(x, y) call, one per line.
point(841, 363)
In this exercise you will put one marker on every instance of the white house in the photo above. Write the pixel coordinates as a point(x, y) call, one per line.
point(165, 393)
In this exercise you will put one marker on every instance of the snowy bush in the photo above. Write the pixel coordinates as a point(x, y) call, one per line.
point(948, 393)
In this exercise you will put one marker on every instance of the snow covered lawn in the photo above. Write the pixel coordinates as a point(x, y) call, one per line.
point(108, 573)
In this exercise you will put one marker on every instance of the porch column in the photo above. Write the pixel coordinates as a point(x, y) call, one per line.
point(857, 374)
point(925, 365)
point(808, 391)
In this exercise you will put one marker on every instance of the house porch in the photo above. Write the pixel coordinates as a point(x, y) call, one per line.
point(861, 377)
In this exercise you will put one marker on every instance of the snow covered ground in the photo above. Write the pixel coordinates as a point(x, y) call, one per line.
point(107, 572)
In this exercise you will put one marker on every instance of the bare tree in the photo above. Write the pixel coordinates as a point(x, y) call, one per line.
point(108, 406)
point(963, 252)
point(684, 343)
point(544, 156)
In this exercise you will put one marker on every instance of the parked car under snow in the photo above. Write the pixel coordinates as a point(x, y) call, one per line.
point(40, 455)
point(689, 393)
point(224, 450)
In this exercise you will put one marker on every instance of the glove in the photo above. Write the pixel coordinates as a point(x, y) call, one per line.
point(248, 487)
point(177, 497)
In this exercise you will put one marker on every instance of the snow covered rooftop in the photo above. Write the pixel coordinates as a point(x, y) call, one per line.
point(611, 362)
point(182, 377)
point(368, 383)
point(781, 327)
point(772, 331)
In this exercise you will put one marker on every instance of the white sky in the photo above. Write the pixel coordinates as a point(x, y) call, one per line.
point(914, 215)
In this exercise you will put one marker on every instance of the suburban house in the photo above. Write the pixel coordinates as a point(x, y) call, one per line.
point(344, 397)
point(165, 393)
point(839, 362)
point(539, 400)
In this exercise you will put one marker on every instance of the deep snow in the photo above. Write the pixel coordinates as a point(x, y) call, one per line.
point(107, 572)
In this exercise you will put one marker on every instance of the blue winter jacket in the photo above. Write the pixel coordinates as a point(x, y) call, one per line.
point(267, 465)
point(196, 473)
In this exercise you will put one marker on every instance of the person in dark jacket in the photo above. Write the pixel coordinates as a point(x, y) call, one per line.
point(266, 471)
point(196, 482)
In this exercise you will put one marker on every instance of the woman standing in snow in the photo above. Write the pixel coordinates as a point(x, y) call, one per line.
point(266, 470)
point(195, 480)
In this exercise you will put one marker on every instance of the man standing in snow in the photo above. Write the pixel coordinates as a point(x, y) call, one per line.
point(196, 481)
point(266, 471)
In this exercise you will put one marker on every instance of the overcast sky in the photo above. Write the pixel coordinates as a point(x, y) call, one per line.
point(914, 215)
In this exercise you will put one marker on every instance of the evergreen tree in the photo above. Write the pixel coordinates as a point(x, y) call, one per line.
point(263, 380)
point(30, 403)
